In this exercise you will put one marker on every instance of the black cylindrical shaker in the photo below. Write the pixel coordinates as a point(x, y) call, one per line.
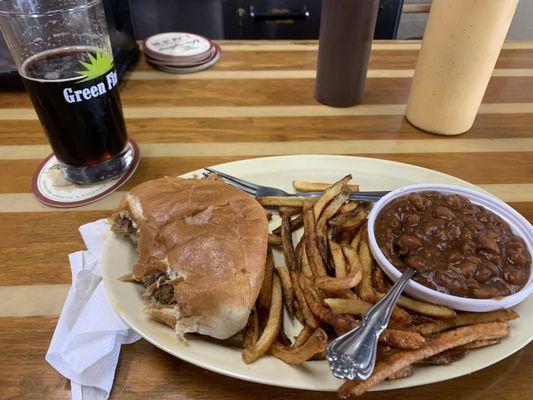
point(346, 32)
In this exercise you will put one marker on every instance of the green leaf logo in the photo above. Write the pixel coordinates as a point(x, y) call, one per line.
point(99, 63)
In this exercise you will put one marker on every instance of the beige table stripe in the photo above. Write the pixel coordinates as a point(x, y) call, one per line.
point(313, 46)
point(293, 74)
point(26, 202)
point(19, 301)
point(271, 111)
point(433, 144)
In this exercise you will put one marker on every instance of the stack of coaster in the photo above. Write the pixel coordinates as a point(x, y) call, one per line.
point(180, 52)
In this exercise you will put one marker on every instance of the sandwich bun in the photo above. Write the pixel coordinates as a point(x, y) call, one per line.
point(202, 248)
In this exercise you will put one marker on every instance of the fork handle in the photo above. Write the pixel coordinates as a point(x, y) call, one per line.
point(364, 196)
point(353, 355)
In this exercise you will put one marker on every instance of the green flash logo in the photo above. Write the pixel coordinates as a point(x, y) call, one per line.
point(99, 63)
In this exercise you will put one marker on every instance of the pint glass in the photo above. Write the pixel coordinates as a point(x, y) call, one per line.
point(63, 54)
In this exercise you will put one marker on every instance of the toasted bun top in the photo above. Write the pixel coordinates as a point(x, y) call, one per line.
point(213, 236)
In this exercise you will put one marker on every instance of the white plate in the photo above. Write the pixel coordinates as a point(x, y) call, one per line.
point(371, 174)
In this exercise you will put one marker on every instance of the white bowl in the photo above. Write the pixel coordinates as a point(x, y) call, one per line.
point(518, 223)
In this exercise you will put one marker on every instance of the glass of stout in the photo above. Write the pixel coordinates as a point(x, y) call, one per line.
point(63, 53)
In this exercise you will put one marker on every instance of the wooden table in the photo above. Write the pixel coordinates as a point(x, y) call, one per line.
point(257, 101)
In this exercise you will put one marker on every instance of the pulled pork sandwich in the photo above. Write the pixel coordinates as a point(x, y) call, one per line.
point(202, 247)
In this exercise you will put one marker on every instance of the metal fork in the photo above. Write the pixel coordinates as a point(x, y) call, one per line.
point(263, 191)
point(353, 355)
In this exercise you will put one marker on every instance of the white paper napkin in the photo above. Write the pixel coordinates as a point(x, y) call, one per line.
point(86, 343)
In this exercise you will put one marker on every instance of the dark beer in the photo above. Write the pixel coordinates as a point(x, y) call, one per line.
point(79, 109)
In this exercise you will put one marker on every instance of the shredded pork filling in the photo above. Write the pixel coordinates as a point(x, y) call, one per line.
point(125, 226)
point(158, 288)
point(157, 285)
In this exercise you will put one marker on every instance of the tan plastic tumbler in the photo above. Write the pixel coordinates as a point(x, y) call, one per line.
point(461, 44)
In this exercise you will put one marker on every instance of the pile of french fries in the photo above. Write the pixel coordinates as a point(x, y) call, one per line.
point(330, 280)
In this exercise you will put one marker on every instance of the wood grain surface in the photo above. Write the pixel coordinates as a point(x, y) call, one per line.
point(257, 101)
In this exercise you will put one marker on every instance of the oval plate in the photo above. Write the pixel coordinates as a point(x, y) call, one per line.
point(370, 174)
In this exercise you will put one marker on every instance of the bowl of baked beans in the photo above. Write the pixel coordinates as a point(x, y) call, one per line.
point(470, 250)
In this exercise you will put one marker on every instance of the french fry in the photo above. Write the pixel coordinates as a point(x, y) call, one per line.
point(274, 240)
point(290, 210)
point(403, 373)
point(265, 294)
point(273, 324)
point(339, 261)
point(338, 283)
point(391, 337)
point(298, 250)
point(286, 243)
point(342, 294)
point(457, 353)
point(328, 195)
point(303, 186)
point(304, 334)
point(360, 307)
point(296, 223)
point(357, 238)
point(308, 316)
point(322, 224)
point(279, 201)
point(352, 269)
point(342, 218)
point(419, 319)
point(251, 332)
point(384, 352)
point(304, 263)
point(336, 234)
point(350, 220)
point(313, 255)
point(298, 355)
point(467, 318)
point(421, 307)
point(444, 358)
point(403, 359)
point(365, 288)
point(288, 289)
point(364, 232)
point(402, 339)
point(378, 279)
point(349, 206)
point(298, 314)
point(319, 356)
point(354, 261)
point(282, 337)
point(481, 343)
point(346, 237)
point(323, 313)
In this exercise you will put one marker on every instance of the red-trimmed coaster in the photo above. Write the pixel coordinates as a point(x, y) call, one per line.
point(51, 188)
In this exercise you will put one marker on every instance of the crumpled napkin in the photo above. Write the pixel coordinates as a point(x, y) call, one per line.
point(86, 343)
